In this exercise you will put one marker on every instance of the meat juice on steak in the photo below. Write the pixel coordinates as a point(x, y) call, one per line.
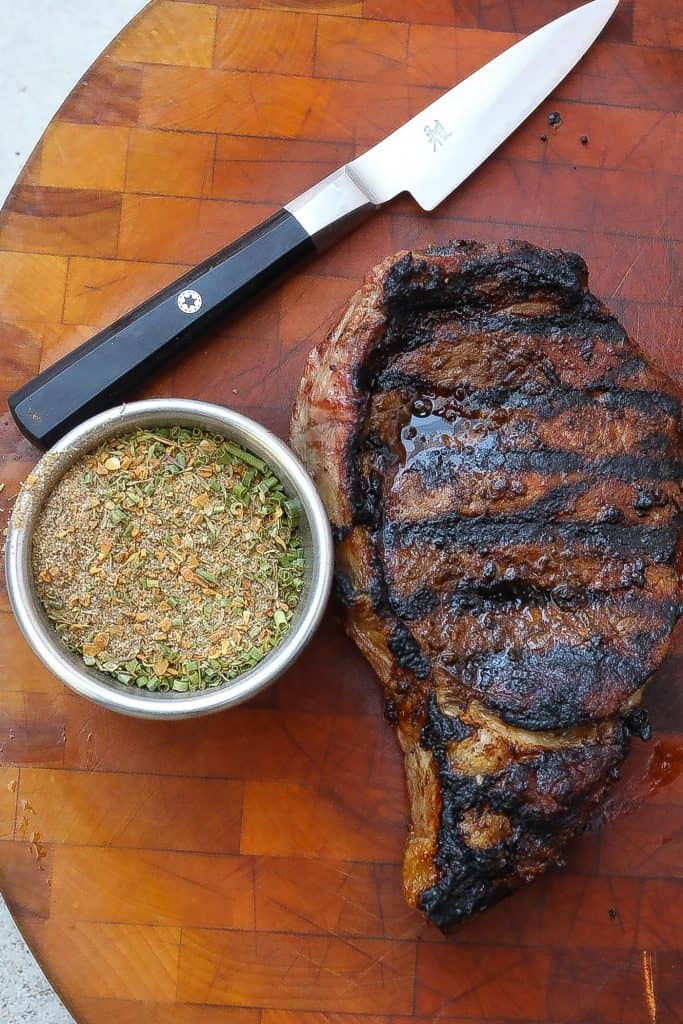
point(501, 467)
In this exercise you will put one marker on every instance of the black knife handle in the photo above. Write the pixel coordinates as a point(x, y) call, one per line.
point(105, 369)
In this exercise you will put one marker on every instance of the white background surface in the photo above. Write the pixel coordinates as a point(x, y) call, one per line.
point(25, 994)
point(45, 47)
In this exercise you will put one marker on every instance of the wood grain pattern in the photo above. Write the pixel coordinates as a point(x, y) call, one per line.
point(84, 156)
point(169, 163)
point(168, 32)
point(303, 971)
point(245, 869)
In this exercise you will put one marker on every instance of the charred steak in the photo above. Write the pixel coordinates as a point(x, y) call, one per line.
point(501, 467)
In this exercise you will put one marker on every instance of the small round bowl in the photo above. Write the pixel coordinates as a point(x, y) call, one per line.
point(95, 685)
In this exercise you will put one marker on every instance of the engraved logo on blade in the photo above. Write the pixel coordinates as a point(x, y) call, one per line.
point(189, 301)
point(437, 134)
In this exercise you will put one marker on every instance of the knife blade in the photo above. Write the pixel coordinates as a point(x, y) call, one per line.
point(428, 156)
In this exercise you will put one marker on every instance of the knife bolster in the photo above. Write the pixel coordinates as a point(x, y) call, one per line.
point(331, 207)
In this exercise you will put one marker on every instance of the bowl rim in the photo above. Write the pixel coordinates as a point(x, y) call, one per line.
point(68, 666)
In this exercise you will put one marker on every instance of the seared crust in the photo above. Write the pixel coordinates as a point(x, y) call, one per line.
point(502, 470)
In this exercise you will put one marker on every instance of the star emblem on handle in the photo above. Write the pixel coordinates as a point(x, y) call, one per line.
point(189, 301)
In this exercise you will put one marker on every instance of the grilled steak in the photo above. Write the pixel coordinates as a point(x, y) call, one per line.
point(501, 467)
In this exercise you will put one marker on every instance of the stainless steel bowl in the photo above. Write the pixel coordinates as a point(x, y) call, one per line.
point(97, 686)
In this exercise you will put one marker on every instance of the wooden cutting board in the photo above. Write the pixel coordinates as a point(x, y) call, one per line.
point(245, 868)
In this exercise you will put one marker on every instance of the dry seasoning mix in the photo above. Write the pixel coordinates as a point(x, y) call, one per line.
point(170, 559)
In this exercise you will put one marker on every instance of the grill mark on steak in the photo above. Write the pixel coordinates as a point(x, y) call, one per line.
point(413, 329)
point(437, 465)
point(656, 544)
point(502, 595)
point(489, 618)
point(502, 468)
point(516, 656)
point(531, 689)
point(544, 405)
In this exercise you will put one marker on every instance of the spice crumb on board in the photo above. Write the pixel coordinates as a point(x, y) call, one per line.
point(169, 559)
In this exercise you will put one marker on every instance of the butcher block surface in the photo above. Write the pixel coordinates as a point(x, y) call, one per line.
point(245, 868)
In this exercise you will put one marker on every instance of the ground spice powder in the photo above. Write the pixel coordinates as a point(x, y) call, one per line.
point(170, 559)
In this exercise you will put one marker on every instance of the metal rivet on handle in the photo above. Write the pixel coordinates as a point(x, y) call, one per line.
point(189, 301)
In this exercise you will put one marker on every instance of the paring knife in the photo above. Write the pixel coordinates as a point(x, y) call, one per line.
point(428, 156)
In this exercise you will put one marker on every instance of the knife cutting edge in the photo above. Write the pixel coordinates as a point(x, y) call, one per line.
point(428, 156)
